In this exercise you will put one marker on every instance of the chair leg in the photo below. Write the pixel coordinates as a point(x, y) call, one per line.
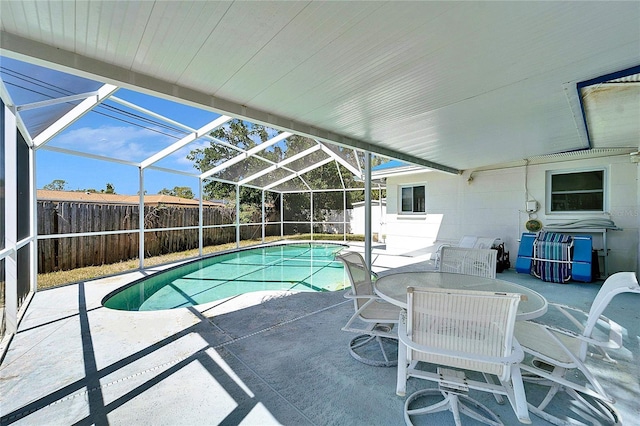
point(517, 395)
point(497, 396)
point(591, 410)
point(358, 348)
point(457, 404)
point(604, 413)
point(401, 379)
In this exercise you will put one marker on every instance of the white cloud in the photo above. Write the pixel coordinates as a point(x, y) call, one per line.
point(123, 142)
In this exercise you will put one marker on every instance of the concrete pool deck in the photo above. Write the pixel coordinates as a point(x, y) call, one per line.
point(256, 359)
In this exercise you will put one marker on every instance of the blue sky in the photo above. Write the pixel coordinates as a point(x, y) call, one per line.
point(108, 132)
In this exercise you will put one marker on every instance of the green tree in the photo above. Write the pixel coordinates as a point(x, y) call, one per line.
point(56, 185)
point(178, 191)
point(110, 189)
point(246, 136)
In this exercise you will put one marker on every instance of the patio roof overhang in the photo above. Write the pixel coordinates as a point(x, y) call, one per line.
point(450, 86)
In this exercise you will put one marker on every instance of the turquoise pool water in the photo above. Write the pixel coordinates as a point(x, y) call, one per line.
point(293, 267)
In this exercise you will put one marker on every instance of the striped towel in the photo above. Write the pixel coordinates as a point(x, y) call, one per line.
point(552, 246)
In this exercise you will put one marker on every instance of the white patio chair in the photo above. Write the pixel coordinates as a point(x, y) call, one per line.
point(468, 241)
point(477, 262)
point(378, 317)
point(465, 330)
point(556, 351)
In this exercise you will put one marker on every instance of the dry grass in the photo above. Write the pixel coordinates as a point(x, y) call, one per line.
point(57, 278)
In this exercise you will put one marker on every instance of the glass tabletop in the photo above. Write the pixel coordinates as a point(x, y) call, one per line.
point(393, 289)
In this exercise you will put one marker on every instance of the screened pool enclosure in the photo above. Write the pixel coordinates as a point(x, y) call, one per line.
point(233, 181)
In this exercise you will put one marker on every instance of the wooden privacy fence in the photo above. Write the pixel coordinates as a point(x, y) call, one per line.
point(74, 252)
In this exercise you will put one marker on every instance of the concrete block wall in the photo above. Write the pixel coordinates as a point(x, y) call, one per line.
point(493, 203)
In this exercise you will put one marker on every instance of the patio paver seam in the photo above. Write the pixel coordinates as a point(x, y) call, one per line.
point(22, 414)
point(280, 324)
point(256, 374)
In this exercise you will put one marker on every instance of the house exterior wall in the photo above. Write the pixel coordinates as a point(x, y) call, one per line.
point(377, 218)
point(492, 204)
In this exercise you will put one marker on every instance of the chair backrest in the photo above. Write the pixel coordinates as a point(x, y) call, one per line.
point(468, 241)
point(359, 275)
point(471, 241)
point(477, 262)
point(621, 282)
point(472, 330)
point(485, 242)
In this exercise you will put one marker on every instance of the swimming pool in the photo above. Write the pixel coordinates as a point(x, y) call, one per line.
point(289, 267)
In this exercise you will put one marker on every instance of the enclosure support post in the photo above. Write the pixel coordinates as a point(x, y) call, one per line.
point(200, 218)
point(141, 219)
point(381, 236)
point(367, 209)
point(10, 141)
point(311, 198)
point(344, 215)
point(33, 232)
point(281, 215)
point(263, 217)
point(237, 216)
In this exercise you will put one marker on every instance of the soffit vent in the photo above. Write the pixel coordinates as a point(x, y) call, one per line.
point(634, 78)
point(579, 155)
point(562, 156)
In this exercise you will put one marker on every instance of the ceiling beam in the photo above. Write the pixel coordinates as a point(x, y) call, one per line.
point(299, 174)
point(76, 112)
point(280, 164)
point(245, 154)
point(55, 101)
point(170, 121)
point(8, 101)
point(342, 161)
point(204, 130)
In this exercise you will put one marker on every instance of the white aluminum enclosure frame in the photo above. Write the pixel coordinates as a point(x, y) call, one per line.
point(88, 100)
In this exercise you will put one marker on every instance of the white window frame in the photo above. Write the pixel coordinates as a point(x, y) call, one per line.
point(605, 191)
point(413, 201)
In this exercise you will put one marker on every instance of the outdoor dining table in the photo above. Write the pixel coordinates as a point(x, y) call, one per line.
point(393, 289)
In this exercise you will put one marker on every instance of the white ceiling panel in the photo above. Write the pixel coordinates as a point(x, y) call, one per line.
point(613, 113)
point(461, 84)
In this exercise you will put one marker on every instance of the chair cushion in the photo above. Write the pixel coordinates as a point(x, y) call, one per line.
point(381, 311)
point(535, 339)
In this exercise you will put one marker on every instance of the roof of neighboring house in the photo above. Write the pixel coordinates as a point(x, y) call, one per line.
point(394, 168)
point(389, 165)
point(98, 197)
